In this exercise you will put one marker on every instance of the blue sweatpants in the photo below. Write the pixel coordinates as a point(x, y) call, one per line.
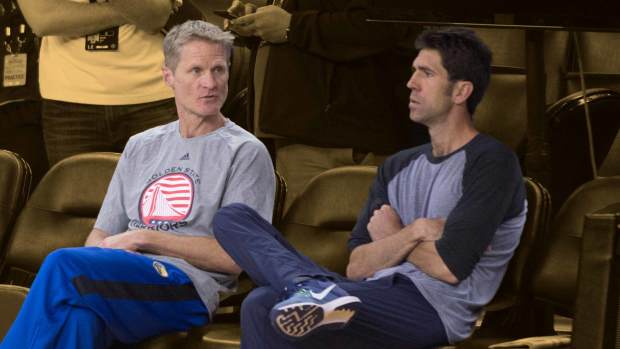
point(393, 313)
point(89, 297)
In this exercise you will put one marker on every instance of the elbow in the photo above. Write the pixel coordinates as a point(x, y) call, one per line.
point(44, 20)
point(235, 269)
point(354, 271)
point(356, 268)
point(40, 26)
point(153, 27)
point(450, 279)
point(228, 265)
point(446, 275)
point(45, 26)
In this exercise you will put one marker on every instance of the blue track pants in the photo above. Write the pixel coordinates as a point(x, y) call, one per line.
point(89, 297)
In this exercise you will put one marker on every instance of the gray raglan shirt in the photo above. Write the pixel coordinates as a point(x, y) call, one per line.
point(479, 190)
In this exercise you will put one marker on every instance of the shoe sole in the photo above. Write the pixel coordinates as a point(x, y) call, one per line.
point(299, 319)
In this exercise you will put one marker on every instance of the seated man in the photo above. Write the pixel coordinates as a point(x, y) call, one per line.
point(430, 247)
point(151, 264)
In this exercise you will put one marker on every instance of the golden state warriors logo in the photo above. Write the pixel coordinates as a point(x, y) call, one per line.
point(167, 199)
point(160, 269)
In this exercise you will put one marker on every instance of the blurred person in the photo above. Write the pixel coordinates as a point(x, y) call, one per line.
point(99, 71)
point(151, 264)
point(431, 245)
point(334, 91)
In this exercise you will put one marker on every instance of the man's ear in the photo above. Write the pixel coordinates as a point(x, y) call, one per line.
point(168, 76)
point(462, 90)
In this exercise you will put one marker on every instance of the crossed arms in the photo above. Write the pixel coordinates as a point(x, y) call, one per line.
point(392, 243)
point(70, 18)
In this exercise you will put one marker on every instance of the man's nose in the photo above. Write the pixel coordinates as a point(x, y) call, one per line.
point(208, 81)
point(412, 84)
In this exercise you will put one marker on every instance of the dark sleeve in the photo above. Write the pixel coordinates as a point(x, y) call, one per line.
point(376, 197)
point(493, 191)
point(344, 35)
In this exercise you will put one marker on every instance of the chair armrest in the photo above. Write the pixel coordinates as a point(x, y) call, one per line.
point(596, 307)
point(11, 299)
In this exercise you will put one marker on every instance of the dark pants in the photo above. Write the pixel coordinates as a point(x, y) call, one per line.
point(393, 313)
point(73, 128)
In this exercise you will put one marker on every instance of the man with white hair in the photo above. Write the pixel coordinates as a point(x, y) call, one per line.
point(151, 264)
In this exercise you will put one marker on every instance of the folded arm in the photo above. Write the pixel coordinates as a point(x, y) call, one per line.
point(71, 19)
point(392, 244)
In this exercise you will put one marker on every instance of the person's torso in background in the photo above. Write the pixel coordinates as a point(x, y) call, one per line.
point(106, 74)
point(359, 102)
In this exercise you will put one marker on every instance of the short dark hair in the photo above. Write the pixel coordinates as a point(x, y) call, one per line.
point(463, 55)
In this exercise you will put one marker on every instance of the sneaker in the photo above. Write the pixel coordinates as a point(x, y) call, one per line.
point(313, 304)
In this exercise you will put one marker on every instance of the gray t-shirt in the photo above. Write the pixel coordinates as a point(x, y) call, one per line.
point(479, 190)
point(168, 183)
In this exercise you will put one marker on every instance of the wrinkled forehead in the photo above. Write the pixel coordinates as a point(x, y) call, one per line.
point(203, 49)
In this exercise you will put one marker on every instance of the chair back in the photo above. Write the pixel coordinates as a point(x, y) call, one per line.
point(320, 221)
point(15, 178)
point(60, 213)
point(555, 275)
point(279, 198)
point(571, 161)
point(516, 281)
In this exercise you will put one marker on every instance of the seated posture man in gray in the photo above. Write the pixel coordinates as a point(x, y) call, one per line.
point(151, 264)
point(430, 247)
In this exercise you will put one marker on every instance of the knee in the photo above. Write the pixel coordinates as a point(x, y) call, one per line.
point(59, 256)
point(63, 257)
point(228, 216)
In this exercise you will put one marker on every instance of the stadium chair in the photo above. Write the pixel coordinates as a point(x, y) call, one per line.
point(15, 179)
point(60, 213)
point(573, 274)
point(15, 176)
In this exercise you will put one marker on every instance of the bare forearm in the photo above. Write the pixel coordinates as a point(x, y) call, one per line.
point(367, 259)
point(69, 18)
point(95, 237)
point(202, 252)
point(427, 259)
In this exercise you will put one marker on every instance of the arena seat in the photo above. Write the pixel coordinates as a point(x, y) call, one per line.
point(574, 274)
point(493, 117)
point(571, 162)
point(518, 276)
point(15, 178)
point(60, 213)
